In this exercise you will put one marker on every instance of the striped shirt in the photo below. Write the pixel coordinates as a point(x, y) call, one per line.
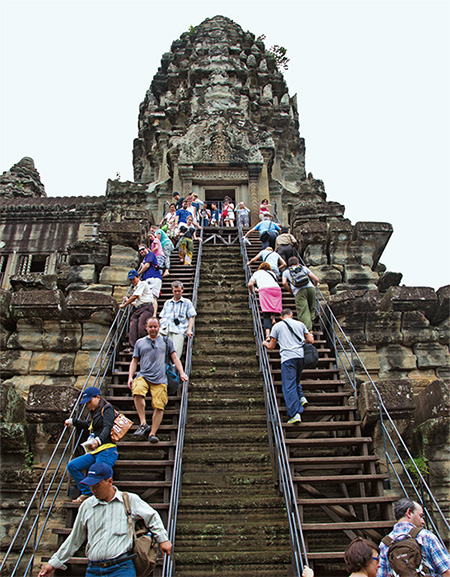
point(434, 555)
point(105, 524)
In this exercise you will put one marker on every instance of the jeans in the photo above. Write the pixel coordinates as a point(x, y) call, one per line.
point(125, 569)
point(291, 372)
point(78, 466)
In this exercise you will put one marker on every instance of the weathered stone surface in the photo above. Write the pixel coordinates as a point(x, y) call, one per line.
point(369, 357)
point(28, 335)
point(22, 383)
point(123, 256)
point(431, 355)
point(443, 310)
point(115, 275)
point(105, 289)
point(12, 405)
point(89, 252)
point(93, 336)
point(331, 275)
point(416, 328)
point(13, 438)
point(352, 301)
point(48, 363)
point(22, 180)
point(128, 232)
point(84, 361)
point(83, 305)
point(396, 358)
point(14, 362)
point(353, 325)
point(383, 327)
point(388, 279)
point(44, 400)
point(62, 336)
point(443, 332)
point(404, 298)
point(34, 281)
point(5, 303)
point(360, 275)
point(396, 394)
point(83, 273)
point(44, 304)
point(433, 402)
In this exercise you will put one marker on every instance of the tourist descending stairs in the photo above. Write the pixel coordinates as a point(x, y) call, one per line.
point(338, 487)
point(142, 468)
point(231, 519)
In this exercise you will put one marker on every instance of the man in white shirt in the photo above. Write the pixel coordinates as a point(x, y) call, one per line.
point(102, 520)
point(291, 336)
point(177, 318)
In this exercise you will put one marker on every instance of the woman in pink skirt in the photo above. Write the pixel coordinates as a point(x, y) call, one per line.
point(264, 282)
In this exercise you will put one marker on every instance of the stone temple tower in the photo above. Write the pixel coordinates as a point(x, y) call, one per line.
point(218, 119)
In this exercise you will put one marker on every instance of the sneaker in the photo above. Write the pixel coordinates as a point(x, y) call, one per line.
point(153, 439)
point(142, 430)
point(304, 401)
point(295, 419)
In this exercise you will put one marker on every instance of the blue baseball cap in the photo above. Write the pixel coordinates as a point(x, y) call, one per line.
point(89, 393)
point(97, 472)
point(132, 274)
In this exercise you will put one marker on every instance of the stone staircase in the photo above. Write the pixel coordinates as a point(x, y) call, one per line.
point(231, 519)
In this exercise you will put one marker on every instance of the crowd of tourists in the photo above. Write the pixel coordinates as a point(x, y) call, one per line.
point(103, 517)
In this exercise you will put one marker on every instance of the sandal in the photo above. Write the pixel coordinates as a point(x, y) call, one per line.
point(81, 499)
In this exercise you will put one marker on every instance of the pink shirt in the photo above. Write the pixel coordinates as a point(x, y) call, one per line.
point(156, 248)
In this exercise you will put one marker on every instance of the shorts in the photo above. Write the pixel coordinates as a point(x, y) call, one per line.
point(158, 392)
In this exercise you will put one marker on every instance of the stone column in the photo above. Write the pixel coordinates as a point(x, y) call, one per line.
point(253, 175)
point(263, 183)
point(186, 172)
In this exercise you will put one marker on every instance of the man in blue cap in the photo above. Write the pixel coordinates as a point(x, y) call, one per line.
point(103, 522)
point(99, 447)
point(144, 306)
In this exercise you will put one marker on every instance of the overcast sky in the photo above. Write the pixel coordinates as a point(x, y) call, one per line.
point(372, 79)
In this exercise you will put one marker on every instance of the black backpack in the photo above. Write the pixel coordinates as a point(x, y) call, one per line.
point(299, 278)
point(405, 555)
point(172, 374)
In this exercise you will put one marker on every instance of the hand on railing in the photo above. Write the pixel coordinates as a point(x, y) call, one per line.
point(307, 572)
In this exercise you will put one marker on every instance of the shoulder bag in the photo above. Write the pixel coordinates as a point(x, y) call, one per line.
point(144, 546)
point(311, 355)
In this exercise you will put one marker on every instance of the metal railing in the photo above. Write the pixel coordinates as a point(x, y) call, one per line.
point(60, 456)
point(275, 428)
point(168, 562)
point(350, 364)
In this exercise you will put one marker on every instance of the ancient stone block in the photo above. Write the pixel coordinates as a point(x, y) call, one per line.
point(119, 292)
point(331, 275)
point(81, 274)
point(14, 362)
point(115, 275)
point(397, 397)
point(46, 400)
point(13, 438)
point(404, 298)
point(369, 358)
point(383, 327)
point(433, 402)
point(354, 327)
point(82, 305)
point(360, 275)
point(82, 380)
point(89, 252)
point(396, 358)
point(29, 335)
point(63, 336)
point(22, 383)
point(431, 355)
point(388, 279)
point(443, 310)
point(352, 301)
point(44, 304)
point(33, 281)
point(12, 405)
point(123, 256)
point(373, 236)
point(5, 312)
point(84, 361)
point(443, 332)
point(93, 336)
point(105, 289)
point(48, 363)
point(416, 328)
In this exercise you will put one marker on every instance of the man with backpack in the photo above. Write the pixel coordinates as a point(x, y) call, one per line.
point(301, 282)
point(409, 549)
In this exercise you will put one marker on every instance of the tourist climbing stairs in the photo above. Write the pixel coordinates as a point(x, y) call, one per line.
point(339, 489)
point(232, 521)
point(142, 468)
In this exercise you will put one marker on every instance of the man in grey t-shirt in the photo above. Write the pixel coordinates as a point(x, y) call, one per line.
point(291, 336)
point(150, 351)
